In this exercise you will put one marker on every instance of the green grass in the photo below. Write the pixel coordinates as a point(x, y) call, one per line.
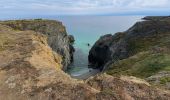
point(136, 45)
point(164, 80)
point(141, 65)
point(143, 62)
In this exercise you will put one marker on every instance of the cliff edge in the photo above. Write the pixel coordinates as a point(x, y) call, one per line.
point(57, 37)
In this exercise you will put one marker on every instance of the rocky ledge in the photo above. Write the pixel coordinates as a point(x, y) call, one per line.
point(58, 39)
point(31, 70)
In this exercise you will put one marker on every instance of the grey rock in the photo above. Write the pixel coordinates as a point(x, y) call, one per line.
point(140, 37)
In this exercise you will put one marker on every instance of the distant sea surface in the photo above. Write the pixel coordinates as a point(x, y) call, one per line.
point(88, 29)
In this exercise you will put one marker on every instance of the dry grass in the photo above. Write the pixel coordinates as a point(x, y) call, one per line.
point(3, 41)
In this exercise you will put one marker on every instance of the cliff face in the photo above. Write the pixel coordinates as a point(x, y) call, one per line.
point(58, 39)
point(142, 51)
point(140, 37)
point(30, 70)
point(107, 48)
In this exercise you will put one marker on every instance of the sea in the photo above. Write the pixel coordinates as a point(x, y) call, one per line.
point(87, 30)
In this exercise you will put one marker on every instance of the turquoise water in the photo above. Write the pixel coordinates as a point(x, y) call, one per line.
point(88, 29)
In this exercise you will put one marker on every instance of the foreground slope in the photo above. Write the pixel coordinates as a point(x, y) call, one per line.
point(30, 70)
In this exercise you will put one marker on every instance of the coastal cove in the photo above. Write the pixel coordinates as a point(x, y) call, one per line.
point(87, 30)
point(35, 58)
point(85, 50)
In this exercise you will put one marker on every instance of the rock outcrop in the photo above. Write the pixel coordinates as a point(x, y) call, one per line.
point(108, 47)
point(141, 51)
point(142, 36)
point(58, 39)
point(31, 70)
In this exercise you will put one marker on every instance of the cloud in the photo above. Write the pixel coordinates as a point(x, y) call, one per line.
point(60, 7)
point(150, 3)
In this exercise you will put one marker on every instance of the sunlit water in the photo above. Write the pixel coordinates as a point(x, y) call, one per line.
point(88, 29)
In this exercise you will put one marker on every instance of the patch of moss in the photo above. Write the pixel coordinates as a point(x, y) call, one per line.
point(164, 80)
point(151, 65)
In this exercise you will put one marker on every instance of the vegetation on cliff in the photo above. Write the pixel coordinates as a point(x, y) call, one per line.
point(31, 70)
point(143, 64)
point(142, 51)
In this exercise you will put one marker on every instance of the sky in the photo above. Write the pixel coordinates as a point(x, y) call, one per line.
point(84, 7)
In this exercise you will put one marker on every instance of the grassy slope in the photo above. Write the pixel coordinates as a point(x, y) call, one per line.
point(150, 53)
point(147, 61)
point(141, 65)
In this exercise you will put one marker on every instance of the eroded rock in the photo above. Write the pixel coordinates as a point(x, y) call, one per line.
point(58, 39)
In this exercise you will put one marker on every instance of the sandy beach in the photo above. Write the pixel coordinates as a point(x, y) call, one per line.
point(88, 74)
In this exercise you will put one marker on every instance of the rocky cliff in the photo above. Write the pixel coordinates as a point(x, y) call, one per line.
point(31, 70)
point(58, 39)
point(142, 36)
point(142, 51)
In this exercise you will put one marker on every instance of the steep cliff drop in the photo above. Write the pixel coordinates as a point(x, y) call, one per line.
point(31, 70)
point(141, 51)
point(58, 39)
point(142, 36)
